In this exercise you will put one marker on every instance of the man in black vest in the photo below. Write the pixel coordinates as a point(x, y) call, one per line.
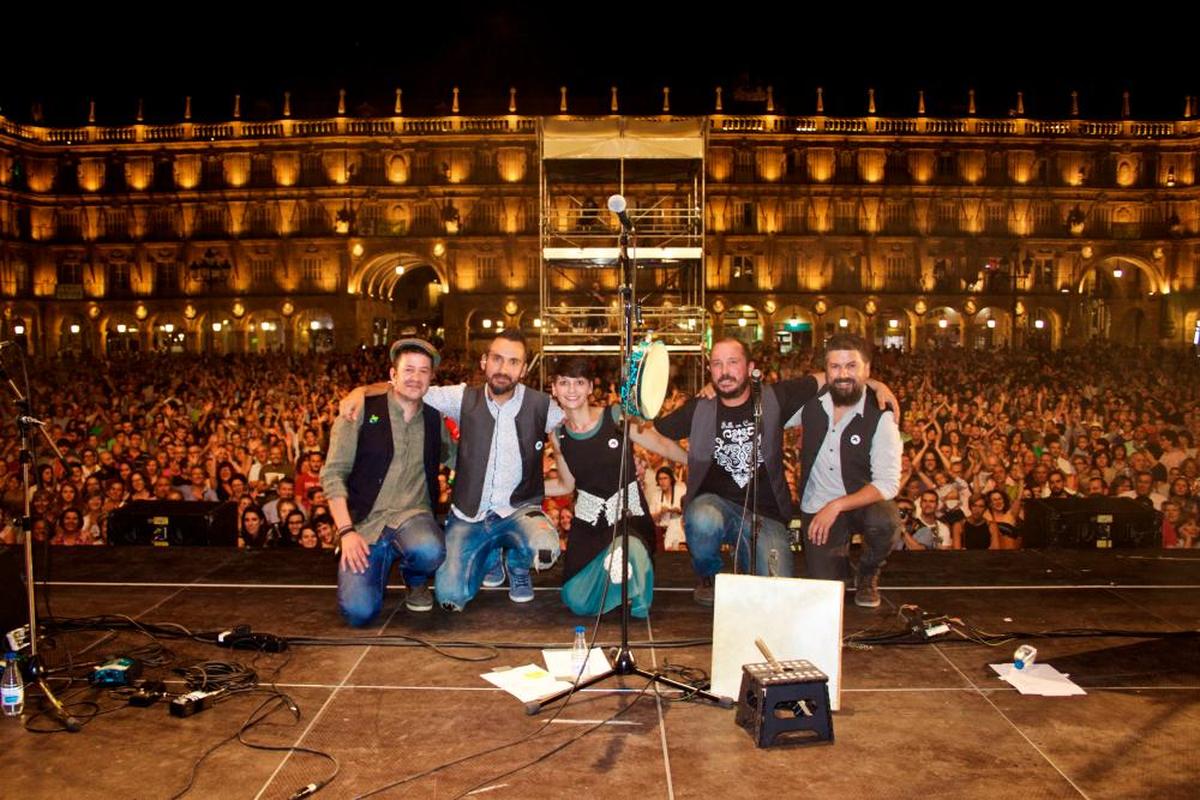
point(498, 484)
point(720, 435)
point(380, 480)
point(850, 462)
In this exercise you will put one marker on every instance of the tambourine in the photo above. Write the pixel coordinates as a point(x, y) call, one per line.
point(645, 388)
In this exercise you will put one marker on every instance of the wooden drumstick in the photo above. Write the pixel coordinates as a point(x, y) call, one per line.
point(766, 651)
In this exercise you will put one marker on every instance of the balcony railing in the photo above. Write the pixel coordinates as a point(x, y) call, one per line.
point(719, 124)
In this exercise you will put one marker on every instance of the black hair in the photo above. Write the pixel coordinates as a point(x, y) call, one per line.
point(849, 341)
point(577, 367)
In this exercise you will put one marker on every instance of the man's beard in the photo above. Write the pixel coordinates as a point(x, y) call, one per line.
point(843, 395)
point(503, 388)
point(728, 394)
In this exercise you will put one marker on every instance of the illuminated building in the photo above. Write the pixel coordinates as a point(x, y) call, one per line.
point(346, 231)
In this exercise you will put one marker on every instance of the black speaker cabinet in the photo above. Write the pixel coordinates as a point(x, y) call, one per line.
point(14, 605)
point(174, 522)
point(1091, 522)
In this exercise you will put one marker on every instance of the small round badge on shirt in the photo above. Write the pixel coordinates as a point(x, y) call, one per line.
point(614, 444)
point(538, 446)
point(856, 439)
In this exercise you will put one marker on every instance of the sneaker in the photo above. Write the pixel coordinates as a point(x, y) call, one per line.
point(704, 593)
point(419, 598)
point(520, 586)
point(867, 594)
point(495, 576)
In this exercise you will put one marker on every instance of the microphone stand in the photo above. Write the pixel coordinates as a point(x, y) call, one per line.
point(755, 445)
point(623, 661)
point(37, 673)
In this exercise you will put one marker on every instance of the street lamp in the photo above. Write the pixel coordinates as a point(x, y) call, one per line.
point(1020, 270)
point(343, 221)
point(211, 272)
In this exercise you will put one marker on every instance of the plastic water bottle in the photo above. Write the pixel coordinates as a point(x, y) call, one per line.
point(1025, 656)
point(579, 652)
point(12, 687)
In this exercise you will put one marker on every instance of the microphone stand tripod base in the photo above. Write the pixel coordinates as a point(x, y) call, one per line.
point(624, 664)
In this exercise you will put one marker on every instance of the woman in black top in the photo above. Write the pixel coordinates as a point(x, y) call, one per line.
point(1003, 515)
point(976, 532)
point(588, 452)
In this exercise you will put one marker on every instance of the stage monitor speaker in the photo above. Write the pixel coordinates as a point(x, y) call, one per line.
point(174, 522)
point(14, 605)
point(796, 618)
point(1091, 522)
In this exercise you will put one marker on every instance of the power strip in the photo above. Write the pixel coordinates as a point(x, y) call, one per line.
point(242, 638)
point(18, 639)
point(195, 701)
point(924, 625)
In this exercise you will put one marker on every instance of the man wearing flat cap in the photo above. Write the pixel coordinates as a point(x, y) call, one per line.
point(381, 479)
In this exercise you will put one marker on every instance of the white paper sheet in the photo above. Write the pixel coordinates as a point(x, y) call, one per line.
point(526, 683)
point(1038, 679)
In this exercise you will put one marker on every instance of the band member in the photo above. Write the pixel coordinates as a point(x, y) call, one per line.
point(850, 462)
point(590, 451)
point(379, 479)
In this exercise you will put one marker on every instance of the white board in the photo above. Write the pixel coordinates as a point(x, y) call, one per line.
point(796, 617)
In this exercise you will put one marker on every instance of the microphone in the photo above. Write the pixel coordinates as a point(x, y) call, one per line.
point(617, 205)
point(756, 375)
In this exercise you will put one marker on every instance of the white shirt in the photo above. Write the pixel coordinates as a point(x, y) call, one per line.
point(503, 473)
point(825, 483)
point(1155, 498)
point(939, 528)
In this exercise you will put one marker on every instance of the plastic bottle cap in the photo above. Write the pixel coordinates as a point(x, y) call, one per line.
point(1019, 664)
point(579, 629)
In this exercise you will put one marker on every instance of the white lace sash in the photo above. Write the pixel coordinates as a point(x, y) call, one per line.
point(590, 507)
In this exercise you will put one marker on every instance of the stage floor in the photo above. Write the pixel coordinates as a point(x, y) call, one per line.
point(927, 721)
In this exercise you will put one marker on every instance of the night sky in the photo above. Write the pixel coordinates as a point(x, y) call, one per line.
point(65, 59)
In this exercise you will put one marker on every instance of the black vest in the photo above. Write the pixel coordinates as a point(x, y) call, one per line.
point(702, 435)
point(478, 428)
point(375, 451)
point(856, 452)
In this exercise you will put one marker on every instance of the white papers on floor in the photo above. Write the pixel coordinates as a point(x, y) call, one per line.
point(531, 682)
point(1039, 679)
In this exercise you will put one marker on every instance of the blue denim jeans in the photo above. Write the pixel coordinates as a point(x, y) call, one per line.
point(419, 545)
point(527, 535)
point(710, 521)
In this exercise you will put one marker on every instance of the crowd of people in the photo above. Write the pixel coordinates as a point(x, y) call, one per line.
point(983, 432)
